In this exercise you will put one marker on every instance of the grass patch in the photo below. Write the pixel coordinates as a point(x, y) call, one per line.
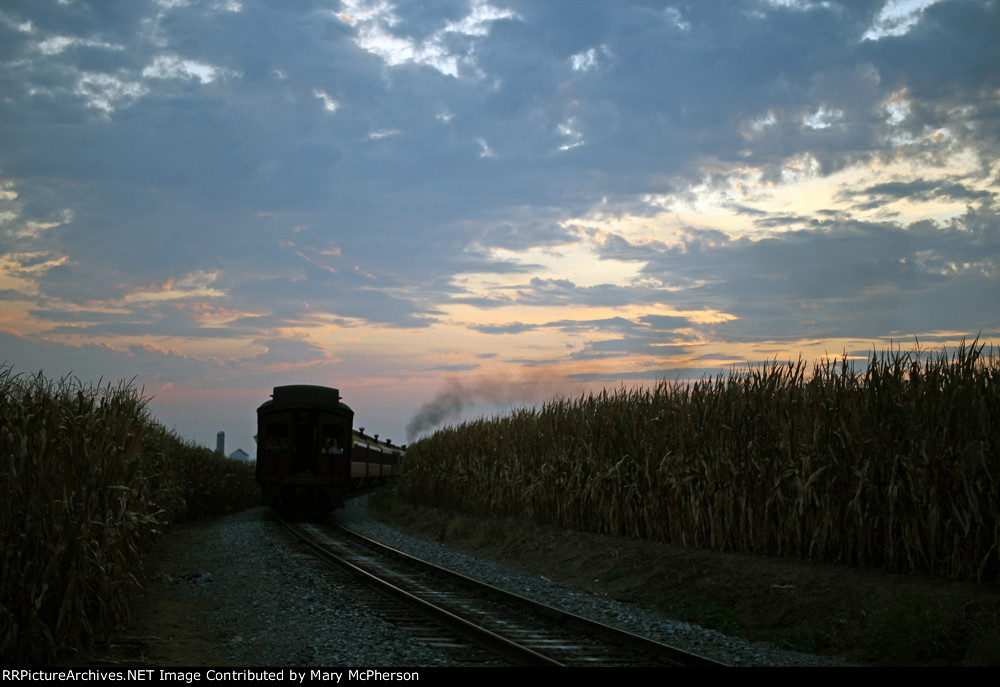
point(384, 499)
point(707, 615)
point(804, 641)
point(612, 574)
point(908, 630)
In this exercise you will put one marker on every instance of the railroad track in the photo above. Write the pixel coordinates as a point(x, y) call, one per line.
point(480, 623)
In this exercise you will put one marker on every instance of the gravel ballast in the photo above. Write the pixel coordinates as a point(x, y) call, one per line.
point(265, 603)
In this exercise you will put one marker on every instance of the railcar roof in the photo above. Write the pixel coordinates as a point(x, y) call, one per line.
point(305, 395)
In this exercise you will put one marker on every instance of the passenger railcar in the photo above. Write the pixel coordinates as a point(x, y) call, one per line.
point(309, 454)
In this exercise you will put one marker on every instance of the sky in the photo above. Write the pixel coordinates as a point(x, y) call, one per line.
point(447, 209)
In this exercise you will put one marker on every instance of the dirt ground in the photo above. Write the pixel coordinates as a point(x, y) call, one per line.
point(866, 616)
point(164, 629)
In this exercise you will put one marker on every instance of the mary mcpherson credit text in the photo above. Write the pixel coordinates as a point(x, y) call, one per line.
point(160, 675)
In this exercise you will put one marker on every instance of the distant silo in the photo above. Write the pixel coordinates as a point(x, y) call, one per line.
point(220, 443)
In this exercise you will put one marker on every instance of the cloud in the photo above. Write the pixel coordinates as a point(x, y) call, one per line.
point(175, 67)
point(506, 328)
point(921, 189)
point(384, 32)
point(897, 18)
point(611, 182)
point(860, 278)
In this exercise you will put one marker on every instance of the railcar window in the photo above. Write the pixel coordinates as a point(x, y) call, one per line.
point(333, 439)
point(276, 430)
point(274, 437)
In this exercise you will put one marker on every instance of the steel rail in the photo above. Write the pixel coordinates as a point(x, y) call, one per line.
point(515, 651)
point(614, 634)
point(512, 651)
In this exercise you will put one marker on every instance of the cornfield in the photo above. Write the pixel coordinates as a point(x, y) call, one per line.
point(897, 466)
point(88, 480)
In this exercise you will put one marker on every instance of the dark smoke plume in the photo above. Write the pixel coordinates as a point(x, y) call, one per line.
point(459, 394)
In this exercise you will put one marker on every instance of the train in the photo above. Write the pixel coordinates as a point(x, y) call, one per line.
point(309, 456)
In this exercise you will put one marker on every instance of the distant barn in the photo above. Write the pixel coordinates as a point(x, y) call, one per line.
point(240, 454)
